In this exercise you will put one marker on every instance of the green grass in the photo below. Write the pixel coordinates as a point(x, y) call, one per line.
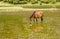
point(4, 4)
point(58, 6)
point(34, 6)
point(15, 25)
point(42, 6)
point(37, 6)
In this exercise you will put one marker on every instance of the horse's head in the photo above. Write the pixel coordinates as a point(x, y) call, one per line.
point(30, 18)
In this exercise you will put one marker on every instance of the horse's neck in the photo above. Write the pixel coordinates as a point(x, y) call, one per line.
point(32, 15)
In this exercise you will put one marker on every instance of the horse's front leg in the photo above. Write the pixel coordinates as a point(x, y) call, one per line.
point(36, 20)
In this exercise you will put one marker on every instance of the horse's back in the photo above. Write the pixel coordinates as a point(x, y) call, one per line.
point(38, 14)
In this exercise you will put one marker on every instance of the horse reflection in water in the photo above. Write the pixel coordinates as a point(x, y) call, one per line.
point(36, 15)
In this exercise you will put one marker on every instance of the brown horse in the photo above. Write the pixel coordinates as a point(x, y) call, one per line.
point(36, 15)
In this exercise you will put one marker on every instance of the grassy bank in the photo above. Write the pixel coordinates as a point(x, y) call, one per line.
point(34, 6)
point(42, 6)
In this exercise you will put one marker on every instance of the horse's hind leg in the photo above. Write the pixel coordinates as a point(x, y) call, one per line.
point(41, 18)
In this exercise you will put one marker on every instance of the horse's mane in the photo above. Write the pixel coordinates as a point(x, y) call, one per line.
point(32, 14)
